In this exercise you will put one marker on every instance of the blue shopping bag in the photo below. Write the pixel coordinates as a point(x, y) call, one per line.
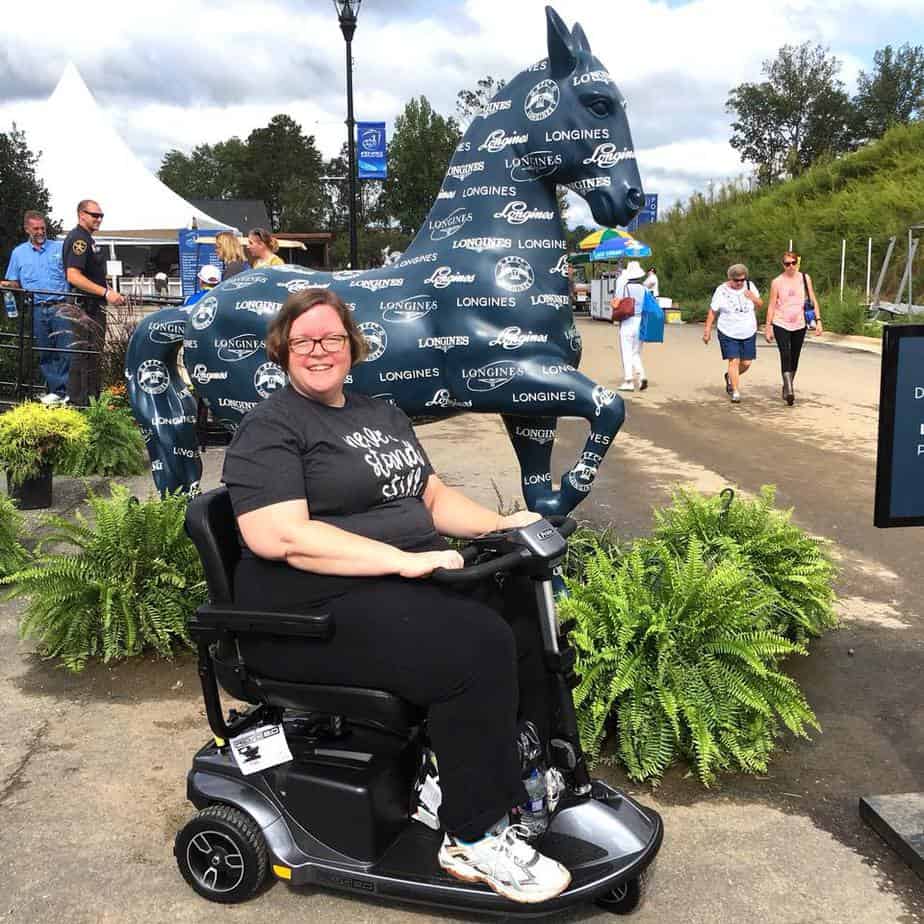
point(652, 326)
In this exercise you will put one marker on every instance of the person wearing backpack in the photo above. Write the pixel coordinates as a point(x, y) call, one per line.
point(792, 309)
point(733, 311)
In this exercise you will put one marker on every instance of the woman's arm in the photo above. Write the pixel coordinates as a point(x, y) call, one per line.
point(286, 532)
point(771, 309)
point(454, 514)
point(710, 320)
point(811, 289)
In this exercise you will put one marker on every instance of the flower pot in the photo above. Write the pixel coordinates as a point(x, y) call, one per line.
point(33, 493)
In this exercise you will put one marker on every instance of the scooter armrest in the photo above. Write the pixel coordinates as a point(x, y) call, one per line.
point(211, 620)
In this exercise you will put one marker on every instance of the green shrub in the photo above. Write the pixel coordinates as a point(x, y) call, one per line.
point(669, 646)
point(583, 544)
point(32, 436)
point(780, 556)
point(114, 446)
point(13, 555)
point(131, 582)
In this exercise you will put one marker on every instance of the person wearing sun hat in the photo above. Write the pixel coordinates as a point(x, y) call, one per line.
point(630, 343)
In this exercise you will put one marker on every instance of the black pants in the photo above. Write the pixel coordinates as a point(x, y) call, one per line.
point(88, 323)
point(789, 343)
point(456, 656)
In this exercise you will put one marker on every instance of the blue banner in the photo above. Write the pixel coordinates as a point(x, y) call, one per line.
point(649, 213)
point(194, 255)
point(370, 150)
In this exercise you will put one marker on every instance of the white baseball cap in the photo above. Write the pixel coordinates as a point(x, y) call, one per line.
point(209, 274)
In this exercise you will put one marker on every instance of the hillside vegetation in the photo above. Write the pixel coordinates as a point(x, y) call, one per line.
point(876, 192)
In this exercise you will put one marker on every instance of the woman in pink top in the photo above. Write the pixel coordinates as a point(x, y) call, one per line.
point(786, 318)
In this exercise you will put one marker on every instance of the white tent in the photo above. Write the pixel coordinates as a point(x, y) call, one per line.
point(83, 157)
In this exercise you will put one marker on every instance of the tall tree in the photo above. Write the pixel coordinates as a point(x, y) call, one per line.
point(284, 168)
point(212, 171)
point(799, 113)
point(893, 92)
point(469, 103)
point(418, 155)
point(21, 189)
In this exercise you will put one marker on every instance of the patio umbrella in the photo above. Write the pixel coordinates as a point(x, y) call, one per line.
point(618, 247)
point(595, 239)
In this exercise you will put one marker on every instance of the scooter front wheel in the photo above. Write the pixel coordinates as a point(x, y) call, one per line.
point(221, 854)
point(622, 899)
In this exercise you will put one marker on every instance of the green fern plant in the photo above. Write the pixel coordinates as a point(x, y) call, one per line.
point(669, 647)
point(13, 555)
point(114, 446)
point(781, 556)
point(130, 583)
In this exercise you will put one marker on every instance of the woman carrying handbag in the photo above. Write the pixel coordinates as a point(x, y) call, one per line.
point(629, 317)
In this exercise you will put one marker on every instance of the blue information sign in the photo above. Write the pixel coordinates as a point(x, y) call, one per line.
point(900, 457)
point(370, 150)
point(194, 254)
point(649, 213)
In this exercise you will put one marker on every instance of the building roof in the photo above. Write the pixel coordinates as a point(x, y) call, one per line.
point(242, 214)
point(83, 157)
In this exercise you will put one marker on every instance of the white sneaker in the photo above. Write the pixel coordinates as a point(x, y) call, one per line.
point(626, 386)
point(736, 397)
point(50, 399)
point(507, 864)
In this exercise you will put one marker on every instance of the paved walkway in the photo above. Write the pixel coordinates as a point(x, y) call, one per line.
point(92, 767)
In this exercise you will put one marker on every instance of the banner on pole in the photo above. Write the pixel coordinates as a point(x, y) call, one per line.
point(648, 213)
point(370, 157)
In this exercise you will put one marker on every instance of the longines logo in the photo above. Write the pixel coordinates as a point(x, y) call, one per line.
point(166, 331)
point(533, 166)
point(267, 379)
point(602, 397)
point(202, 375)
point(539, 435)
point(204, 312)
point(152, 377)
point(374, 285)
point(420, 258)
point(464, 171)
point(607, 155)
point(542, 100)
point(512, 338)
point(481, 244)
point(492, 375)
point(441, 343)
point(548, 300)
point(498, 141)
point(300, 285)
point(443, 398)
point(589, 183)
point(376, 337)
point(514, 274)
point(233, 404)
point(560, 268)
point(259, 306)
point(243, 346)
point(495, 106)
point(408, 309)
point(347, 274)
point(443, 277)
point(518, 213)
point(578, 134)
point(580, 80)
point(243, 280)
point(454, 222)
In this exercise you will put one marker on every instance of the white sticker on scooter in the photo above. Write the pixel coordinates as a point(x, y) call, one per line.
point(259, 748)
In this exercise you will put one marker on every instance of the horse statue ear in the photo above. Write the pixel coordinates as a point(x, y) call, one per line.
point(579, 39)
point(562, 59)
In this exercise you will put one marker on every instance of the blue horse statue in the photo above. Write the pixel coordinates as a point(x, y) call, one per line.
point(474, 317)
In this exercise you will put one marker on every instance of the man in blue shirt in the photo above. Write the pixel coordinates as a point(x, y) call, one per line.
point(37, 264)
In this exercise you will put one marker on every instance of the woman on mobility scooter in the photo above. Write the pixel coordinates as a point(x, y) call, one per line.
point(337, 504)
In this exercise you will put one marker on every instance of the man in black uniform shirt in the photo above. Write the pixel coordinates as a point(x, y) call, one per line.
point(85, 268)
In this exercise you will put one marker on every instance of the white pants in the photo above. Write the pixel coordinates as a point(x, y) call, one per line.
point(630, 345)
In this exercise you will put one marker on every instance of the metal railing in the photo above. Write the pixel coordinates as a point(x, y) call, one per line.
point(17, 340)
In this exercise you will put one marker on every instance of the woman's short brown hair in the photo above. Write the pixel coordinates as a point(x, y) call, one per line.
point(791, 255)
point(268, 240)
point(277, 334)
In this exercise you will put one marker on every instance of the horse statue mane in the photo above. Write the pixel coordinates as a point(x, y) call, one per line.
point(475, 316)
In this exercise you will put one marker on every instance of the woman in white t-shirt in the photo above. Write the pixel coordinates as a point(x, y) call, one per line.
point(734, 304)
point(630, 343)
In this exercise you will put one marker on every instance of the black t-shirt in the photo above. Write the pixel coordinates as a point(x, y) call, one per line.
point(360, 467)
point(81, 252)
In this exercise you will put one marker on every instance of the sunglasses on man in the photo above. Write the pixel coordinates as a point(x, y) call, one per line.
point(98, 215)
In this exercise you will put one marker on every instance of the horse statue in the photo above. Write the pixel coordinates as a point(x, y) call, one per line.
point(474, 317)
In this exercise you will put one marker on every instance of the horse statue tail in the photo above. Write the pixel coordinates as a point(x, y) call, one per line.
point(161, 402)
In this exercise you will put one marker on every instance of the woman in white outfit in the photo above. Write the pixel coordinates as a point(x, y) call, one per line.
point(628, 286)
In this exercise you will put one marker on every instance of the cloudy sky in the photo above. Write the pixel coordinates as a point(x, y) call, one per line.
point(177, 73)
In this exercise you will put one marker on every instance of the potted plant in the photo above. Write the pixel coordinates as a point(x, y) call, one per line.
point(33, 440)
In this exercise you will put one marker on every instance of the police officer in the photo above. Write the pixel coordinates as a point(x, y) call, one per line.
point(85, 266)
point(36, 264)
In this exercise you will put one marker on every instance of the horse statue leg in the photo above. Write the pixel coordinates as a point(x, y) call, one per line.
point(532, 439)
point(161, 402)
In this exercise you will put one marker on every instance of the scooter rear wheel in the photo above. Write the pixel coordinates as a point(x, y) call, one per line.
point(623, 899)
point(221, 854)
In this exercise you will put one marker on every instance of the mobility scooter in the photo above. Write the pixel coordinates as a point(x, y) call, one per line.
point(338, 813)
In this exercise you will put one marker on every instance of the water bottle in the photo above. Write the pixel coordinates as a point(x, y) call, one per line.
point(534, 813)
point(9, 304)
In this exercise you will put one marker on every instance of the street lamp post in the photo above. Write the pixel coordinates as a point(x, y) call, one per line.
point(347, 13)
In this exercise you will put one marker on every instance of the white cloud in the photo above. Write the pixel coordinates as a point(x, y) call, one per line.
point(175, 74)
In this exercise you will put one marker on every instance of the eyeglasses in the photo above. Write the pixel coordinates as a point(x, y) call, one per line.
point(789, 262)
point(330, 343)
point(93, 214)
point(737, 280)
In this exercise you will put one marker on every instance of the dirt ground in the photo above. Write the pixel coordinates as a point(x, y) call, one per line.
point(92, 767)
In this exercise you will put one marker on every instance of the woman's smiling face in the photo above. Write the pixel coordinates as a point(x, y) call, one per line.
point(319, 374)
